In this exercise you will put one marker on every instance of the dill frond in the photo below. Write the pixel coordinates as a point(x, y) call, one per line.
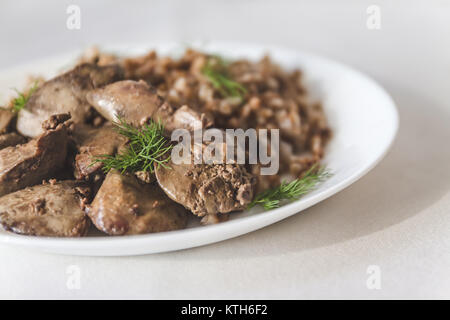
point(146, 147)
point(216, 72)
point(293, 190)
point(22, 98)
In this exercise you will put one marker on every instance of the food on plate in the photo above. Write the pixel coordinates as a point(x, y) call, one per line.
point(113, 101)
point(11, 139)
point(64, 94)
point(94, 144)
point(124, 205)
point(6, 117)
point(40, 158)
point(207, 190)
point(49, 209)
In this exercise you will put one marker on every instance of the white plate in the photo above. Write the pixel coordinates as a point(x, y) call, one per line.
point(363, 118)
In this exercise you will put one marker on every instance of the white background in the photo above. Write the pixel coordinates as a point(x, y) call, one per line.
point(396, 217)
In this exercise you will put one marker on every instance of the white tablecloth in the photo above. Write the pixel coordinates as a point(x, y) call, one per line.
point(397, 218)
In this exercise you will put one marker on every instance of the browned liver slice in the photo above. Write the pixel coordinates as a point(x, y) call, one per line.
point(51, 209)
point(123, 205)
point(6, 117)
point(28, 164)
point(207, 189)
point(11, 139)
point(98, 141)
point(136, 102)
point(65, 93)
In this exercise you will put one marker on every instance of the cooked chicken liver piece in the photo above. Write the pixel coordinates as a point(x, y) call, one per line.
point(207, 189)
point(11, 139)
point(28, 164)
point(51, 209)
point(6, 117)
point(125, 206)
point(92, 143)
point(65, 93)
point(136, 102)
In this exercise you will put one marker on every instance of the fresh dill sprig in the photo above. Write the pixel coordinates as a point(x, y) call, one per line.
point(22, 99)
point(146, 147)
point(271, 198)
point(216, 72)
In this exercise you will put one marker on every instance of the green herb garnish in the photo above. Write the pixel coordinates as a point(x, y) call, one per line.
point(147, 146)
point(216, 72)
point(22, 99)
point(293, 190)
